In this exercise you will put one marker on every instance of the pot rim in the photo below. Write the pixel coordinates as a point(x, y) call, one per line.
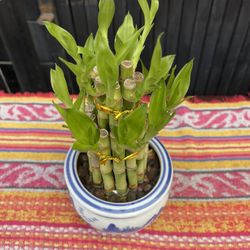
point(126, 209)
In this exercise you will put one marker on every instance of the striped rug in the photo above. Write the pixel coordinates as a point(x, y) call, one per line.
point(209, 208)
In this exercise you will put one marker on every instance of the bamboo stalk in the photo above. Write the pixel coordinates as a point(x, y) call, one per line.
point(129, 86)
point(117, 105)
point(119, 168)
point(120, 178)
point(128, 94)
point(94, 168)
point(141, 160)
point(138, 77)
point(99, 86)
point(103, 119)
point(89, 100)
point(104, 143)
point(117, 97)
point(89, 109)
point(146, 158)
point(107, 177)
point(126, 70)
point(87, 104)
point(106, 168)
point(93, 117)
point(94, 73)
point(131, 167)
point(112, 122)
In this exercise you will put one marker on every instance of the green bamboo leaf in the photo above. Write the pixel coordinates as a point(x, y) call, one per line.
point(118, 44)
point(126, 39)
point(159, 115)
point(81, 126)
point(77, 104)
point(108, 70)
point(80, 71)
point(156, 56)
point(100, 41)
point(154, 130)
point(125, 31)
point(88, 51)
point(157, 107)
point(86, 84)
point(145, 9)
point(166, 64)
point(64, 38)
point(168, 116)
point(105, 16)
point(154, 76)
point(84, 148)
point(76, 69)
point(149, 15)
point(89, 44)
point(89, 66)
point(88, 59)
point(144, 69)
point(60, 110)
point(59, 86)
point(153, 8)
point(127, 47)
point(181, 84)
point(131, 127)
point(170, 81)
point(159, 68)
point(83, 51)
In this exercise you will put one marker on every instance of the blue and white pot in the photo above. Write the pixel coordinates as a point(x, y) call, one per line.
point(120, 217)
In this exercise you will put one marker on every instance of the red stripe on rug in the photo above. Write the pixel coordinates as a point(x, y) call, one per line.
point(34, 147)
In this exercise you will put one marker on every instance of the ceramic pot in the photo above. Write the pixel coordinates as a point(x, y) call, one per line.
point(120, 217)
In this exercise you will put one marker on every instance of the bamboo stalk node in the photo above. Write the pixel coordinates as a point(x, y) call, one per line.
point(126, 69)
point(138, 77)
point(94, 166)
point(131, 167)
point(93, 159)
point(126, 64)
point(99, 86)
point(92, 116)
point(89, 108)
point(129, 84)
point(120, 170)
point(133, 187)
point(103, 133)
point(106, 168)
point(129, 90)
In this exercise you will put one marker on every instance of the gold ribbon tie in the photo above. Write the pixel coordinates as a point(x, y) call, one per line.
point(105, 158)
point(117, 114)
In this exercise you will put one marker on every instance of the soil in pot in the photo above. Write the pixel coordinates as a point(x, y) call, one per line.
point(150, 179)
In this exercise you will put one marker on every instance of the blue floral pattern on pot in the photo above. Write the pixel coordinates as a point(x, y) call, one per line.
point(112, 228)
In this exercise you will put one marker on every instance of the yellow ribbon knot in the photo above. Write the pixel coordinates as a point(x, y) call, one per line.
point(117, 114)
point(104, 158)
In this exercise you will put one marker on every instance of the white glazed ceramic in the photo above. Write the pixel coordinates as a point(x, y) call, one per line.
point(119, 217)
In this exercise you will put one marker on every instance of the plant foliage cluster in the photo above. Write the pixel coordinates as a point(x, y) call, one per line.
point(109, 78)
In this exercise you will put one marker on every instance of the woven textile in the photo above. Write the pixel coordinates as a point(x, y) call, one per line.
point(209, 208)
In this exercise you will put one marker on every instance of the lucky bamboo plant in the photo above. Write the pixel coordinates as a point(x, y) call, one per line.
point(108, 119)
